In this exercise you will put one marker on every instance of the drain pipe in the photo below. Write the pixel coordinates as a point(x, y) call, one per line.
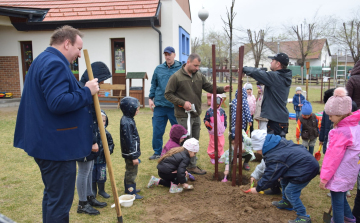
point(160, 39)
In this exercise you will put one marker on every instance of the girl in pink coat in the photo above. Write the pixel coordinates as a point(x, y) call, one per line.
point(341, 163)
point(221, 126)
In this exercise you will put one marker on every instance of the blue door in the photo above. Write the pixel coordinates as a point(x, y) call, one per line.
point(184, 45)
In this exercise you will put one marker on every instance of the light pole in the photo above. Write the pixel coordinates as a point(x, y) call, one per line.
point(203, 15)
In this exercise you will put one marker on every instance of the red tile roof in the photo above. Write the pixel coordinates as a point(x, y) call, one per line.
point(292, 49)
point(67, 10)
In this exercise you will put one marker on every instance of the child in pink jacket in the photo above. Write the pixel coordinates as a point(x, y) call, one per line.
point(252, 103)
point(221, 126)
point(341, 162)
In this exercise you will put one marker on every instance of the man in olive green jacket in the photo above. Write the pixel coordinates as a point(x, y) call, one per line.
point(185, 88)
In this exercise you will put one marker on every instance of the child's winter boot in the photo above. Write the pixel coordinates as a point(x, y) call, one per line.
point(175, 188)
point(94, 189)
point(85, 207)
point(283, 205)
point(301, 219)
point(153, 181)
point(349, 220)
point(246, 166)
point(102, 190)
point(137, 191)
point(95, 203)
point(131, 189)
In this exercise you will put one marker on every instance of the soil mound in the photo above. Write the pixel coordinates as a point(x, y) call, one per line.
point(214, 201)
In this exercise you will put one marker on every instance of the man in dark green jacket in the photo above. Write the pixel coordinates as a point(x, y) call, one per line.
point(162, 108)
point(185, 88)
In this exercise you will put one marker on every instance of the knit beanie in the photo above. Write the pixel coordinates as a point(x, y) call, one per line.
point(258, 138)
point(192, 145)
point(298, 89)
point(248, 86)
point(306, 108)
point(339, 104)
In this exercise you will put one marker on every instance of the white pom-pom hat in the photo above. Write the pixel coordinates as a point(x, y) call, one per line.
point(192, 145)
point(339, 103)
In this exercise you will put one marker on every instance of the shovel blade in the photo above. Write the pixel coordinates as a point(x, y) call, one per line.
point(317, 156)
point(327, 217)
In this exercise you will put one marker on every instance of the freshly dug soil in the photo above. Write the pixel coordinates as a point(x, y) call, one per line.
point(214, 201)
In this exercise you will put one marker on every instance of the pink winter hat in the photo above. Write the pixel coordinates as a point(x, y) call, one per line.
point(339, 103)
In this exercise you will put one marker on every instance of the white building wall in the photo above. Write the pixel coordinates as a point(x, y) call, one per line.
point(179, 19)
point(141, 43)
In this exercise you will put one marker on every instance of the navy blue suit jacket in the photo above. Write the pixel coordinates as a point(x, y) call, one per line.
point(54, 120)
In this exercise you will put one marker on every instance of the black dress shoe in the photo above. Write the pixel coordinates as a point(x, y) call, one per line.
point(85, 207)
point(95, 203)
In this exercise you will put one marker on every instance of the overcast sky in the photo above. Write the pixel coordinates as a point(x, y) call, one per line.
point(257, 14)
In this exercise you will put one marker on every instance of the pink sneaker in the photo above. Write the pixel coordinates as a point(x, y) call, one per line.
point(220, 161)
point(212, 161)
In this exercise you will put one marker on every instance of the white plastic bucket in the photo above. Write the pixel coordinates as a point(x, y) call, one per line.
point(126, 200)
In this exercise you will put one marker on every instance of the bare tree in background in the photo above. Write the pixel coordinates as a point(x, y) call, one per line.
point(349, 36)
point(256, 42)
point(228, 27)
point(307, 36)
point(195, 44)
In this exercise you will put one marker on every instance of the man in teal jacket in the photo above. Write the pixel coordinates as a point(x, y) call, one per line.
point(54, 122)
point(162, 108)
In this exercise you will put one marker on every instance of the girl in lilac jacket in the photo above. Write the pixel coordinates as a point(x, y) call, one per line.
point(177, 135)
point(341, 163)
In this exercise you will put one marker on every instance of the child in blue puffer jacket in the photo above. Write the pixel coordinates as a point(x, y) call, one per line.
point(298, 102)
point(293, 164)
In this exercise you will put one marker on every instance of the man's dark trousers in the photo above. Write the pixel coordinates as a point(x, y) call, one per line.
point(59, 180)
point(277, 128)
point(159, 121)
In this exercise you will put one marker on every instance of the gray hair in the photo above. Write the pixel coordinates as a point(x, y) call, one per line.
point(194, 56)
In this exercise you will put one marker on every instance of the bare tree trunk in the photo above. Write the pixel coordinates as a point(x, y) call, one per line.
point(228, 27)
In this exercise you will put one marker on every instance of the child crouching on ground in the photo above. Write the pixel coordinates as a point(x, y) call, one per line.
point(257, 137)
point(130, 143)
point(340, 166)
point(294, 165)
point(247, 153)
point(172, 167)
point(99, 171)
point(309, 126)
point(177, 135)
point(221, 126)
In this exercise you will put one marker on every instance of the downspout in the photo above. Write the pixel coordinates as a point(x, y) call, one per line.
point(160, 36)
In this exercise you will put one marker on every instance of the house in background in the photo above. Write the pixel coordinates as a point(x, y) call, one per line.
point(319, 55)
point(128, 36)
point(342, 60)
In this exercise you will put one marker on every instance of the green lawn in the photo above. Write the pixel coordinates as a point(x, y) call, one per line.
point(21, 186)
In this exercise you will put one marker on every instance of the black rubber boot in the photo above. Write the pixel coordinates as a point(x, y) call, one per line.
point(95, 203)
point(137, 190)
point(85, 207)
point(102, 190)
point(94, 189)
point(131, 189)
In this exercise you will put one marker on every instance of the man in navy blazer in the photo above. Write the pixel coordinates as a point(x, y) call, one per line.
point(54, 123)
